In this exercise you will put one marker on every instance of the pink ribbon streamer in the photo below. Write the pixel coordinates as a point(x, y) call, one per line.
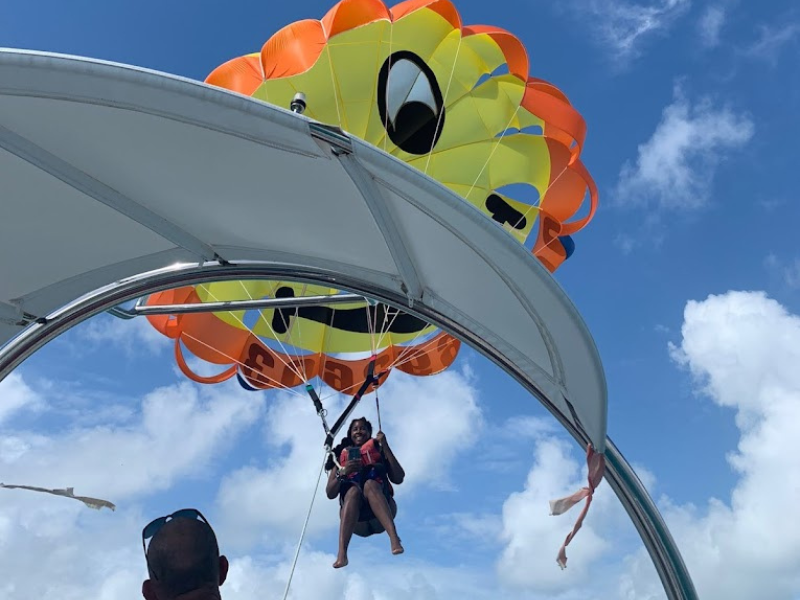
point(597, 466)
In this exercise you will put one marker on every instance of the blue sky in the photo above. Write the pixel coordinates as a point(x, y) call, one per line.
point(691, 114)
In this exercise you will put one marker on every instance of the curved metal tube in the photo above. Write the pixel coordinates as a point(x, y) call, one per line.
point(619, 473)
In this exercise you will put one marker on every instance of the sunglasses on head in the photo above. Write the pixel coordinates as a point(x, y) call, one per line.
point(154, 526)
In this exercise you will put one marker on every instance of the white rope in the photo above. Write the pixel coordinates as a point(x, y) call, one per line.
point(305, 525)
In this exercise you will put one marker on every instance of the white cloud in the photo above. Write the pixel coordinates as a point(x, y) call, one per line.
point(623, 26)
point(178, 432)
point(675, 167)
point(791, 274)
point(132, 335)
point(16, 396)
point(710, 25)
point(532, 537)
point(787, 271)
point(773, 39)
point(743, 350)
point(404, 579)
point(428, 423)
point(625, 242)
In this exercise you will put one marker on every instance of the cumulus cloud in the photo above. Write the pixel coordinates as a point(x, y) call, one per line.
point(16, 396)
point(176, 433)
point(52, 549)
point(407, 579)
point(623, 26)
point(710, 25)
point(174, 436)
point(742, 349)
point(532, 537)
point(133, 336)
point(675, 168)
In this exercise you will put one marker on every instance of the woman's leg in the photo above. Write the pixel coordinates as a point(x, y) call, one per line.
point(373, 492)
point(349, 516)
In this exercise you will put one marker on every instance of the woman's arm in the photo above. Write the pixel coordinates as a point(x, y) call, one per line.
point(394, 471)
point(334, 484)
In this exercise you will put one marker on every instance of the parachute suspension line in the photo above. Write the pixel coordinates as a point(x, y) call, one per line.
point(330, 432)
point(378, 410)
point(389, 70)
point(323, 355)
point(416, 351)
point(371, 327)
point(495, 146)
point(386, 327)
point(302, 365)
point(241, 364)
point(444, 102)
point(539, 201)
point(305, 526)
point(291, 367)
point(335, 86)
point(411, 351)
point(369, 380)
point(288, 325)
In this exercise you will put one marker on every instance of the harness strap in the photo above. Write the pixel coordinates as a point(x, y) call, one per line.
point(369, 380)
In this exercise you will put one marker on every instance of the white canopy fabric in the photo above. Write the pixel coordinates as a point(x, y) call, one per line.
point(110, 171)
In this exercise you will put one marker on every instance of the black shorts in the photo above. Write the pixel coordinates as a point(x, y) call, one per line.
point(367, 523)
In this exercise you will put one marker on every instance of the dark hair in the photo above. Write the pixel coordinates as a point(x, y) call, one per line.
point(184, 556)
point(347, 441)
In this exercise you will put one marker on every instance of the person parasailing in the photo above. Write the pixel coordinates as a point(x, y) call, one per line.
point(363, 485)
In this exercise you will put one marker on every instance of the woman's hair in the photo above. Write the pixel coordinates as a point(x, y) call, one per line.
point(347, 441)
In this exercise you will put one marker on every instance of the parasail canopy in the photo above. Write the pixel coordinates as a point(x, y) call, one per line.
point(453, 101)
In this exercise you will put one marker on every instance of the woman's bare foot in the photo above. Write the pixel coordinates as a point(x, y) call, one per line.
point(340, 562)
point(397, 547)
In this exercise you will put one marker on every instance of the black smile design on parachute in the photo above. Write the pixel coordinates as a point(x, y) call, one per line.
point(503, 212)
point(410, 103)
point(353, 320)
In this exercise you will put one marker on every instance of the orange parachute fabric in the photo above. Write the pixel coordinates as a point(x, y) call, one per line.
point(259, 366)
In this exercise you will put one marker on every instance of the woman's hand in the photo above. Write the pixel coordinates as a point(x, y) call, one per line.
point(380, 437)
point(351, 466)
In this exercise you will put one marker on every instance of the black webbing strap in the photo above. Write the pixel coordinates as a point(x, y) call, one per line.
point(368, 381)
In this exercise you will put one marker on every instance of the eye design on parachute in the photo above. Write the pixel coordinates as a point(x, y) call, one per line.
point(410, 103)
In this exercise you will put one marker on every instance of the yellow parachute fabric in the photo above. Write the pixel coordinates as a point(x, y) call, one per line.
point(455, 102)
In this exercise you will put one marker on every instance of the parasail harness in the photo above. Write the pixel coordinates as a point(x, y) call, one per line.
point(370, 380)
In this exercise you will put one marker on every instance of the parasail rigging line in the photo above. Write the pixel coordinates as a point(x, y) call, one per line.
point(303, 531)
point(444, 103)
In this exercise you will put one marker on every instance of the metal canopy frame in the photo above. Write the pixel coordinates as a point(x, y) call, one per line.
point(114, 235)
point(620, 475)
point(232, 305)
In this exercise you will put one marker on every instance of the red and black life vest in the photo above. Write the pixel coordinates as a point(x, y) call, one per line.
point(370, 455)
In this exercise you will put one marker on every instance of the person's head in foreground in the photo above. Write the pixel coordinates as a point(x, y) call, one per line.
point(183, 559)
